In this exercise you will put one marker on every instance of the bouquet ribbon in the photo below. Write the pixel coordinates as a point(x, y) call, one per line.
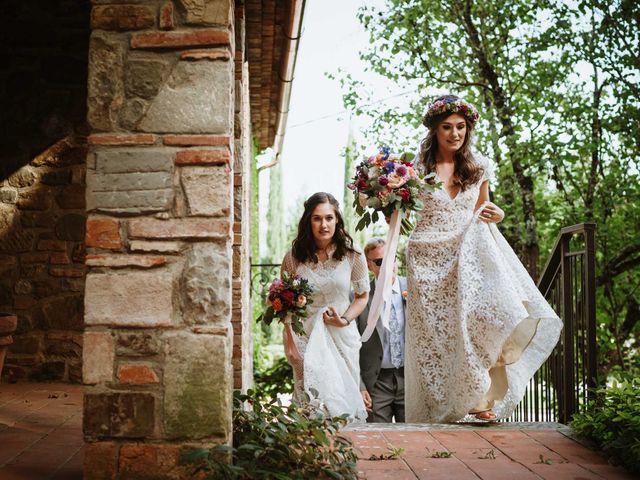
point(290, 348)
point(382, 295)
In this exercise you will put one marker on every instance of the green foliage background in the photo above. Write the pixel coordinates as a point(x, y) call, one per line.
point(557, 86)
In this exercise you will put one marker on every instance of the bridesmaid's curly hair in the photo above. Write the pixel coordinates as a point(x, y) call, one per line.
point(467, 171)
point(304, 247)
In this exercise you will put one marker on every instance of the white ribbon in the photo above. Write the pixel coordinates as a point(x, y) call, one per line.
point(382, 295)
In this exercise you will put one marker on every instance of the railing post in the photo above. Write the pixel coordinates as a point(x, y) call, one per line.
point(567, 406)
point(590, 304)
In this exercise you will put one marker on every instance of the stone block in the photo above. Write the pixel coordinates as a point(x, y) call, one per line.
point(122, 17)
point(197, 98)
point(48, 372)
point(8, 195)
point(131, 202)
point(72, 197)
point(40, 219)
point(136, 344)
point(63, 313)
point(103, 232)
point(122, 261)
point(121, 139)
point(207, 190)
point(207, 12)
point(211, 228)
point(198, 383)
point(22, 178)
point(124, 182)
point(38, 198)
point(97, 357)
point(136, 299)
point(100, 461)
point(131, 113)
point(134, 160)
point(205, 286)
point(144, 77)
point(71, 227)
point(105, 86)
point(64, 348)
point(27, 344)
point(56, 177)
point(203, 157)
point(128, 415)
point(136, 374)
point(17, 241)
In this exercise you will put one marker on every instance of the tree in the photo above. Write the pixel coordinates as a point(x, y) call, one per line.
point(557, 86)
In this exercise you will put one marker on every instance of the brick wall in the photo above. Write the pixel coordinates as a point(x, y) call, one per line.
point(42, 206)
point(162, 161)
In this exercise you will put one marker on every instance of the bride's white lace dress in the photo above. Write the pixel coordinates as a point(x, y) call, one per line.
point(331, 365)
point(472, 309)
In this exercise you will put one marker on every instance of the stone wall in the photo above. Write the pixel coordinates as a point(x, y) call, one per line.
point(42, 205)
point(160, 179)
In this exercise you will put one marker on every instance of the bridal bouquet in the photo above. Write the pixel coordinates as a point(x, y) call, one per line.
point(288, 298)
point(387, 182)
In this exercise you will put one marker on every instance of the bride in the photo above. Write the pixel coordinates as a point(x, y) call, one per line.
point(323, 253)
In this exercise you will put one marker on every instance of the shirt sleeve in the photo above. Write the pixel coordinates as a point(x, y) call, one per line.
point(359, 273)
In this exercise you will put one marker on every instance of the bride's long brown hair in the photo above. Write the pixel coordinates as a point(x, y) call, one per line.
point(467, 172)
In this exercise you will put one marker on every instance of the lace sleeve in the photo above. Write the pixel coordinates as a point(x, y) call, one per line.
point(359, 272)
point(288, 264)
point(488, 167)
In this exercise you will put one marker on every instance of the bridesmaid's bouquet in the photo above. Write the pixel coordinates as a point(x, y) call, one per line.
point(387, 182)
point(288, 297)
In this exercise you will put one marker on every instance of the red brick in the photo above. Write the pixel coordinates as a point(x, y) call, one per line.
point(237, 227)
point(58, 245)
point(136, 375)
point(76, 272)
point(116, 261)
point(59, 258)
point(139, 460)
point(215, 228)
point(121, 139)
point(207, 54)
point(34, 257)
point(237, 180)
point(122, 17)
point(100, 461)
point(103, 233)
point(197, 140)
point(203, 157)
point(166, 19)
point(175, 39)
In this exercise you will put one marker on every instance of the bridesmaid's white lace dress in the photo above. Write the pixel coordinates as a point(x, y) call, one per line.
point(331, 364)
point(477, 326)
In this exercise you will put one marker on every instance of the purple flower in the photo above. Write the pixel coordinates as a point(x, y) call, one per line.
point(386, 151)
point(389, 167)
point(382, 180)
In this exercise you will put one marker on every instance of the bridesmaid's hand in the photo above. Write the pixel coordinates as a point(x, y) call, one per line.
point(491, 213)
point(366, 398)
point(331, 317)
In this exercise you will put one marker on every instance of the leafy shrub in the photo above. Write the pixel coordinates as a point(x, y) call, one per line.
point(276, 379)
point(284, 443)
point(612, 420)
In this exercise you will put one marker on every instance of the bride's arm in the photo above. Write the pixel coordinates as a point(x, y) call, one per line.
point(491, 212)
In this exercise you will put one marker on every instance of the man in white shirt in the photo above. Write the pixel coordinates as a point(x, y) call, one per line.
point(382, 356)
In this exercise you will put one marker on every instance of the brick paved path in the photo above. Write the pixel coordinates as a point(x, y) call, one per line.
point(41, 438)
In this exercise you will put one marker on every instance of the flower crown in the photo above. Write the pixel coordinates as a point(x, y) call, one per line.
point(450, 104)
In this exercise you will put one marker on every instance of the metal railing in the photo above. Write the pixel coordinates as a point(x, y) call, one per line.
point(564, 383)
